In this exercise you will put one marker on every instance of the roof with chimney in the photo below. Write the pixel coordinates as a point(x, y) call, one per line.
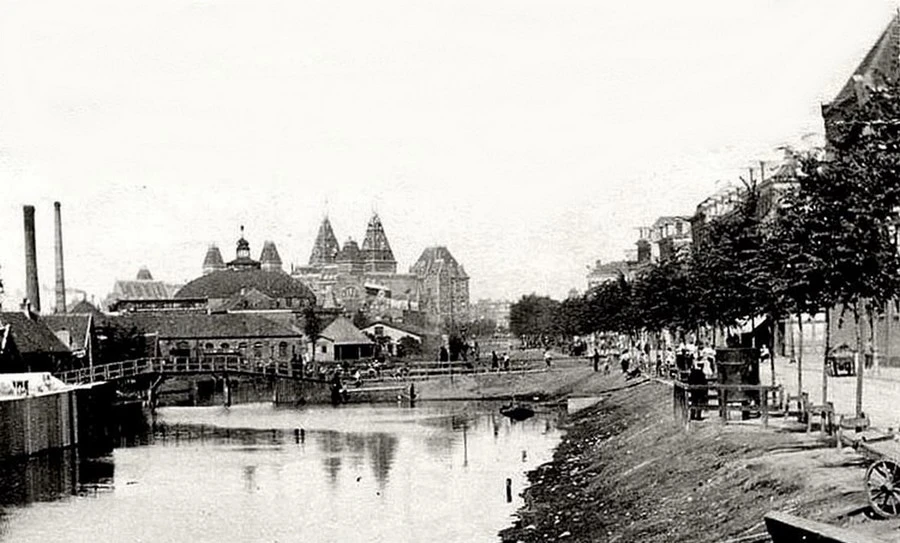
point(31, 334)
point(203, 326)
point(375, 245)
point(436, 260)
point(326, 247)
point(341, 331)
point(78, 327)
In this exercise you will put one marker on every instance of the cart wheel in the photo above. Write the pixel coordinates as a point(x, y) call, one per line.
point(883, 488)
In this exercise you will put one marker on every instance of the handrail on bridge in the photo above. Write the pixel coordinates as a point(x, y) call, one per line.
point(180, 365)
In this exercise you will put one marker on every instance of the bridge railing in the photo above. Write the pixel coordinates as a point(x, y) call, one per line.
point(179, 365)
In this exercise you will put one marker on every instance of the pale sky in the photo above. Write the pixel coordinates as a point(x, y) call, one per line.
point(530, 137)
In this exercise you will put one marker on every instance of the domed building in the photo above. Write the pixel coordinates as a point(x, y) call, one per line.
point(247, 284)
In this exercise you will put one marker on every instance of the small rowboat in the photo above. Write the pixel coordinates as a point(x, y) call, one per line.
point(517, 411)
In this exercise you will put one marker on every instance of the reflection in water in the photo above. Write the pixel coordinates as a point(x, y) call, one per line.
point(363, 473)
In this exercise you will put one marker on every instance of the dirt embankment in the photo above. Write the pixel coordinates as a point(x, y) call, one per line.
point(625, 473)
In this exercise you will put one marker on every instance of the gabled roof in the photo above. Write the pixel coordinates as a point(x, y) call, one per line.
point(32, 335)
point(342, 332)
point(878, 69)
point(401, 327)
point(78, 326)
point(85, 307)
point(140, 289)
point(200, 326)
point(435, 260)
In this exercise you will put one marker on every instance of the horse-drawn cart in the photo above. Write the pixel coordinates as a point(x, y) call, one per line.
point(840, 361)
point(882, 479)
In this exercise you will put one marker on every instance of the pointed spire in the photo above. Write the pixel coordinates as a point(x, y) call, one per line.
point(269, 258)
point(213, 261)
point(376, 249)
point(326, 247)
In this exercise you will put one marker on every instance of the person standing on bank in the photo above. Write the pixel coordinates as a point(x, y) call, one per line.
point(596, 359)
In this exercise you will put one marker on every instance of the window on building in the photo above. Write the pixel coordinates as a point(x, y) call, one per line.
point(324, 349)
point(379, 331)
point(182, 346)
point(257, 349)
point(224, 346)
point(209, 346)
point(282, 349)
point(242, 347)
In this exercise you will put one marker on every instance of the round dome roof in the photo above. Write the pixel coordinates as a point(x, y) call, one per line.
point(228, 283)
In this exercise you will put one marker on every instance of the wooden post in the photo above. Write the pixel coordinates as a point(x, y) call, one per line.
point(764, 396)
point(508, 490)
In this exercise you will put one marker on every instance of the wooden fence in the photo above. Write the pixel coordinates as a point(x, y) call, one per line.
point(748, 399)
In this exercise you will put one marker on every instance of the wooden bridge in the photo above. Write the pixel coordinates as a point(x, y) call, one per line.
point(166, 366)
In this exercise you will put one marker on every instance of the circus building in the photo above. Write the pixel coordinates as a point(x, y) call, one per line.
point(245, 283)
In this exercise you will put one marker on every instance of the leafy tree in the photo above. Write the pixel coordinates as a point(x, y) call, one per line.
point(312, 327)
point(532, 317)
point(117, 341)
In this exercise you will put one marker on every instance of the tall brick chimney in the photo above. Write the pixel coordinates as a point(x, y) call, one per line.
point(60, 268)
point(32, 288)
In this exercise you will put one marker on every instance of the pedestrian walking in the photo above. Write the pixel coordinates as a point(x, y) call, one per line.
point(495, 361)
point(547, 358)
point(596, 359)
point(506, 361)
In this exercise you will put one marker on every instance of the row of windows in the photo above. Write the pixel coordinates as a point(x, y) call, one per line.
point(242, 347)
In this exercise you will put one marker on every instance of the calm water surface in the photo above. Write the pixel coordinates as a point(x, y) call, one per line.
point(361, 473)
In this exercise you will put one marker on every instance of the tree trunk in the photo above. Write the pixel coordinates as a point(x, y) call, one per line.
point(800, 354)
point(889, 321)
point(859, 362)
point(772, 350)
point(827, 354)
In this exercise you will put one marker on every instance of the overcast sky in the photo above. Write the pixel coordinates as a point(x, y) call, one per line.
point(529, 137)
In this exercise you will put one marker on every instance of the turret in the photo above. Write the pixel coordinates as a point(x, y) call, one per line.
point(269, 258)
point(213, 260)
point(376, 251)
point(326, 247)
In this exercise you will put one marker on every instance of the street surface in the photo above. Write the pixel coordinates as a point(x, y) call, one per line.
point(881, 389)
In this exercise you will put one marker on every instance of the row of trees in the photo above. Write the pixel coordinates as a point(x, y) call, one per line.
point(831, 242)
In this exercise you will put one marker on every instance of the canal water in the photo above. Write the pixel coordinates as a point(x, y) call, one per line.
point(436, 472)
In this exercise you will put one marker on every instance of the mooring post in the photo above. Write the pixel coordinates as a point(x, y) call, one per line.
point(412, 394)
point(508, 490)
point(226, 391)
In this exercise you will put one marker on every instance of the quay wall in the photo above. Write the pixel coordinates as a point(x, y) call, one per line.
point(41, 414)
point(36, 423)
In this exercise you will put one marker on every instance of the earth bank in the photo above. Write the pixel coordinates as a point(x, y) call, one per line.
point(624, 472)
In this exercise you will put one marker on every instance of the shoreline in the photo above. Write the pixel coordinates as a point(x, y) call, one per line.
point(624, 472)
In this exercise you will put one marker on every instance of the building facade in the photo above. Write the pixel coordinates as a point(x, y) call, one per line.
point(444, 286)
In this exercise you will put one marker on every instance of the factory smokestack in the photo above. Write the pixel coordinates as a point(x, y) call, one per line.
point(32, 289)
point(60, 269)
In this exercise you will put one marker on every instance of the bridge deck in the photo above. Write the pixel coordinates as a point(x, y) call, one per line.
point(182, 366)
